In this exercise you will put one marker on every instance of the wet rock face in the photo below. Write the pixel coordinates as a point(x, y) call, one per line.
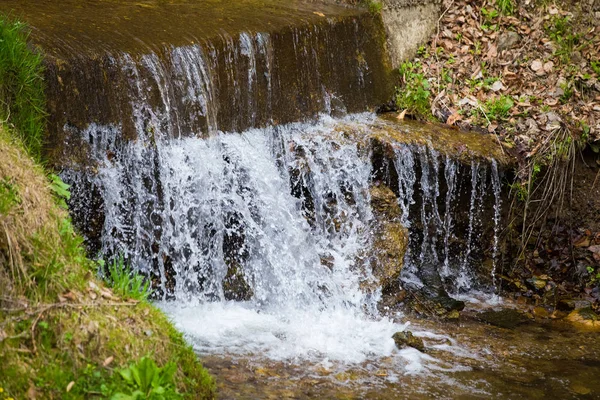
point(390, 239)
point(235, 286)
point(235, 253)
point(421, 303)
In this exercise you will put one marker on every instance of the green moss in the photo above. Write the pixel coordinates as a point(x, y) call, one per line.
point(22, 100)
point(374, 6)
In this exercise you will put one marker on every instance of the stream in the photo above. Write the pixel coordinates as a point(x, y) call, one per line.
point(240, 166)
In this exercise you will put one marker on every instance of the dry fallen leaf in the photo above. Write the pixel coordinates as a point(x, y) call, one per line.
point(70, 386)
point(497, 86)
point(583, 242)
point(492, 51)
point(31, 392)
point(453, 118)
point(107, 362)
point(320, 14)
point(401, 115)
point(537, 65)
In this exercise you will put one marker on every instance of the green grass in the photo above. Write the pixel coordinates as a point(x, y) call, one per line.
point(563, 33)
point(498, 109)
point(9, 196)
point(506, 7)
point(22, 98)
point(413, 95)
point(125, 282)
point(374, 6)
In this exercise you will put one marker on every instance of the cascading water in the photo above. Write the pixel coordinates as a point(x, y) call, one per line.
point(432, 200)
point(257, 243)
point(278, 219)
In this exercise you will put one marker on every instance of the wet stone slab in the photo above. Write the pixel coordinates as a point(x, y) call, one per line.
point(170, 69)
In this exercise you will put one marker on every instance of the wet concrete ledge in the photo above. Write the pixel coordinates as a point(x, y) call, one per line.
point(189, 68)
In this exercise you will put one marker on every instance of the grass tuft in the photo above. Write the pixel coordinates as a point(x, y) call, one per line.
point(414, 93)
point(127, 283)
point(22, 98)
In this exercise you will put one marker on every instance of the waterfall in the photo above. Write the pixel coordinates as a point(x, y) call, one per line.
point(259, 241)
point(437, 238)
point(256, 230)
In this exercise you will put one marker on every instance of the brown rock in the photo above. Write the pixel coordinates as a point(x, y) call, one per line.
point(540, 312)
point(585, 318)
point(390, 238)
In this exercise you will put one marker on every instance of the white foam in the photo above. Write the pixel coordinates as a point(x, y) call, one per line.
point(340, 336)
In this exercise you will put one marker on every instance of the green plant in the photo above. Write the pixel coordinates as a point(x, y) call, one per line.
point(60, 190)
point(499, 108)
point(562, 32)
point(9, 196)
point(594, 276)
point(414, 94)
point(125, 282)
point(506, 7)
point(489, 15)
point(445, 76)
point(476, 49)
point(522, 190)
point(596, 67)
point(568, 91)
point(148, 381)
point(22, 100)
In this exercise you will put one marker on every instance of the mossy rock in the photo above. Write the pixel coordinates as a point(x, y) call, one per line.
point(406, 338)
point(585, 318)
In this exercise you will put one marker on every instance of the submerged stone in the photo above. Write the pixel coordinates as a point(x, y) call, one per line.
point(585, 318)
point(506, 318)
point(406, 338)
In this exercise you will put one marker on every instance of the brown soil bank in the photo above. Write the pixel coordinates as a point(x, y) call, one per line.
point(63, 334)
